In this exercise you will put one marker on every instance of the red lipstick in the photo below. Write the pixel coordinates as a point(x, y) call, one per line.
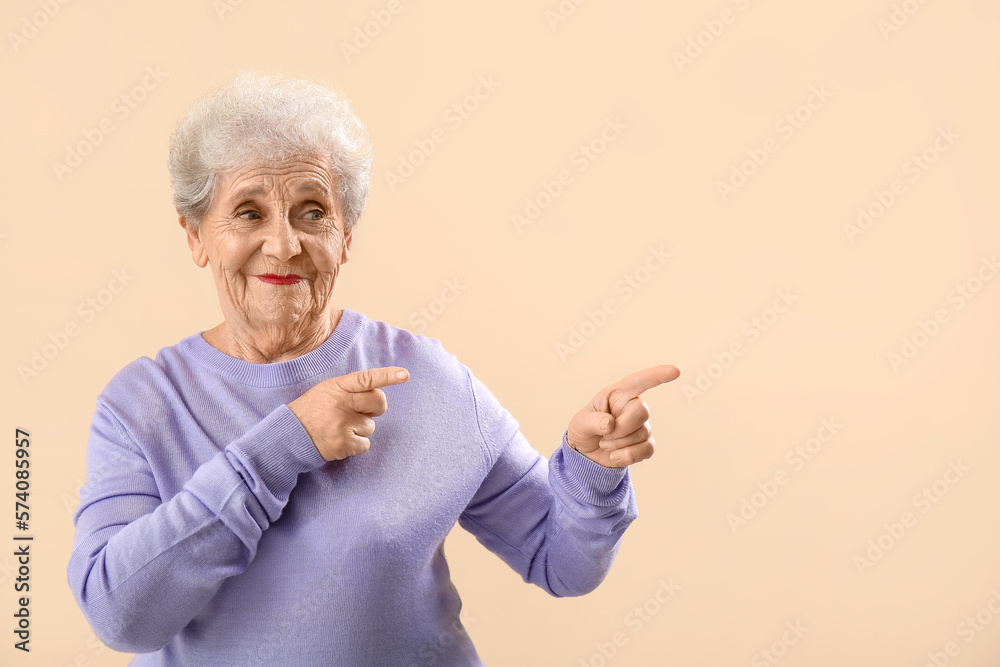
point(289, 279)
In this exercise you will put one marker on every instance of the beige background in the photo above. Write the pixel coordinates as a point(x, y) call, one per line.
point(656, 184)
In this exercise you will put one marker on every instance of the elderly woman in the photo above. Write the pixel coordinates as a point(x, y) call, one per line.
point(241, 508)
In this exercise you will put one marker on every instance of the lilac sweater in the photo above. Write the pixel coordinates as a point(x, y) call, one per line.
point(210, 531)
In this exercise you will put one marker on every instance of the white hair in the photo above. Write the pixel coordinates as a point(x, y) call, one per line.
point(264, 119)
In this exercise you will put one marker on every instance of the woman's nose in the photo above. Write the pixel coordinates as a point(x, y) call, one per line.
point(282, 241)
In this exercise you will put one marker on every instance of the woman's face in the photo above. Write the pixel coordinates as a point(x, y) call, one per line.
point(275, 240)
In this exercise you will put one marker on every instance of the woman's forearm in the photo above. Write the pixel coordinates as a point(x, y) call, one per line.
point(141, 568)
point(557, 524)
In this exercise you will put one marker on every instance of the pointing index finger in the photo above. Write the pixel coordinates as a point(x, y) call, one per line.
point(643, 380)
point(373, 378)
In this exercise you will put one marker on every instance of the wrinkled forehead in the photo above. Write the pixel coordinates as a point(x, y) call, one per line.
point(285, 180)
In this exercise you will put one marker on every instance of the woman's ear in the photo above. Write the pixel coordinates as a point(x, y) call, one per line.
point(346, 255)
point(198, 253)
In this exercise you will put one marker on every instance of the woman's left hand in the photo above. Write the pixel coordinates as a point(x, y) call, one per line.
point(627, 434)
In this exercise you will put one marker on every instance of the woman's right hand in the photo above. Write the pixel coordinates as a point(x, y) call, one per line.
point(338, 413)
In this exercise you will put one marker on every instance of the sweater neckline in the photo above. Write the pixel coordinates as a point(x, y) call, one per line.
point(279, 373)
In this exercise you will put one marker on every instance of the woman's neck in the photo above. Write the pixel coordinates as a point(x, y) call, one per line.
point(267, 345)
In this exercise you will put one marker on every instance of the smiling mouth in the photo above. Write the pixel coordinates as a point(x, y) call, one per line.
point(274, 279)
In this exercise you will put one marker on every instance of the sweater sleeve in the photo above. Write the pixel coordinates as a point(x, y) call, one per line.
point(141, 568)
point(557, 522)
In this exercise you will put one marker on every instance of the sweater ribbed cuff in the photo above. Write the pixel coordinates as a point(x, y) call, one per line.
point(589, 481)
point(276, 450)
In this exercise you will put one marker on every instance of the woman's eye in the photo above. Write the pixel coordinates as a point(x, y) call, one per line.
point(317, 212)
point(250, 211)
